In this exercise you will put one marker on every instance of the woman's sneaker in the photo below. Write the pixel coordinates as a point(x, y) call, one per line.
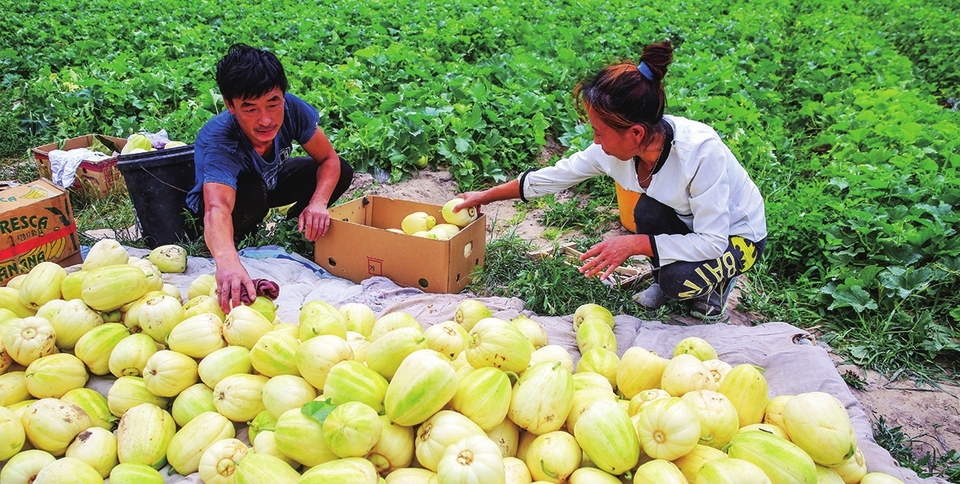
point(651, 297)
point(713, 306)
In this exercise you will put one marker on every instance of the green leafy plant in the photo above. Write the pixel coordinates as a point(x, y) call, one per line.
point(111, 216)
point(277, 229)
point(591, 210)
point(914, 453)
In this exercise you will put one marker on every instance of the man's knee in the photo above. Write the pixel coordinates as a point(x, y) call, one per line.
point(250, 206)
point(346, 178)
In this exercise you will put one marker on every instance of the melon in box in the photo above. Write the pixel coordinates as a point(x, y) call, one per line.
point(359, 246)
point(36, 225)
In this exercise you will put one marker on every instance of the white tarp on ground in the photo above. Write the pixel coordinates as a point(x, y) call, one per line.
point(792, 362)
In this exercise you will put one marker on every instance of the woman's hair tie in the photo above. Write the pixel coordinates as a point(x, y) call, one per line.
point(645, 70)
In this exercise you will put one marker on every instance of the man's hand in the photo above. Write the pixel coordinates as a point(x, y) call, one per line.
point(606, 256)
point(314, 221)
point(219, 201)
point(231, 278)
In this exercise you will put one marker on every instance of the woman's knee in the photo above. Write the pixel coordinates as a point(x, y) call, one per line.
point(653, 217)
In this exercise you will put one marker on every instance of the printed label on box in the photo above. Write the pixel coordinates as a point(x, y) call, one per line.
point(48, 247)
point(374, 266)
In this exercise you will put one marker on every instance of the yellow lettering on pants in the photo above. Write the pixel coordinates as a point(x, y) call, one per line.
point(716, 271)
point(711, 274)
point(694, 291)
point(730, 264)
point(749, 252)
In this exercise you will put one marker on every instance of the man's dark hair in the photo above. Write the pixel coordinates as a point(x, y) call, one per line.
point(248, 73)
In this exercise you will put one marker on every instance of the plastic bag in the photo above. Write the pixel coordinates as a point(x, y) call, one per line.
point(64, 164)
point(157, 140)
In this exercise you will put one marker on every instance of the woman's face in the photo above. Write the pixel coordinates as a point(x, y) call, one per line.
point(620, 144)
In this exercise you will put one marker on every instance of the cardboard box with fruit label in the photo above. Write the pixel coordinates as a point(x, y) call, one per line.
point(36, 225)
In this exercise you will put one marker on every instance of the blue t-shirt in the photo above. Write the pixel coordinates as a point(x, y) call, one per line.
point(222, 151)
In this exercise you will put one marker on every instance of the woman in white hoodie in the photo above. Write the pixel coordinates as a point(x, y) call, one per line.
point(701, 218)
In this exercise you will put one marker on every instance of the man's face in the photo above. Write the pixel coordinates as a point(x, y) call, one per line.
point(259, 118)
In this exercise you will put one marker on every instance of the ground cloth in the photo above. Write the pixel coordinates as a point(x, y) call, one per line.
point(793, 363)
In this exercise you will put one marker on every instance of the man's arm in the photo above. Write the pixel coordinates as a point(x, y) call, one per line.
point(218, 228)
point(315, 218)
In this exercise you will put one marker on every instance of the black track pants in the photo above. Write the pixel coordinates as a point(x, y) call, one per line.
point(687, 280)
point(296, 183)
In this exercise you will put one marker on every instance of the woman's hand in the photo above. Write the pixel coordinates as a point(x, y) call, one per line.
point(505, 191)
point(470, 199)
point(606, 256)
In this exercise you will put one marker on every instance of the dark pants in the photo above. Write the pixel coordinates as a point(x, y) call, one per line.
point(687, 280)
point(296, 183)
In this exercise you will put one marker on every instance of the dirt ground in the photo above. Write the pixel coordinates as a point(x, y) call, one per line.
point(929, 415)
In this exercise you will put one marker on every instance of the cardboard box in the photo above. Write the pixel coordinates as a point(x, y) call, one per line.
point(94, 177)
point(358, 246)
point(36, 225)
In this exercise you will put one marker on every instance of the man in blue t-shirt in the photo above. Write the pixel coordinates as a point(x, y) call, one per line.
point(244, 165)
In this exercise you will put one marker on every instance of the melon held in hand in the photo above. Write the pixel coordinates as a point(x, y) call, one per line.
point(461, 218)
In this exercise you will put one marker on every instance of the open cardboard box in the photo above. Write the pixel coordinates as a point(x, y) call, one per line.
point(358, 246)
point(95, 178)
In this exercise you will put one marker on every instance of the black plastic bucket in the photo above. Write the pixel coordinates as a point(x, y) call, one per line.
point(158, 182)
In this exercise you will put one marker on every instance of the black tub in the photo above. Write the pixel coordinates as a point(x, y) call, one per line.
point(158, 182)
